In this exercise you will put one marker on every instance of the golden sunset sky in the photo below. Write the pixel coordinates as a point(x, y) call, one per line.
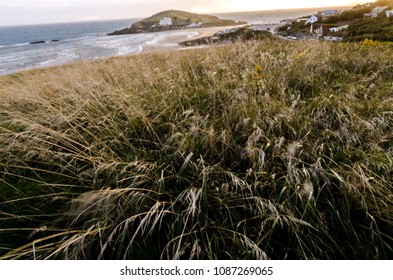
point(46, 11)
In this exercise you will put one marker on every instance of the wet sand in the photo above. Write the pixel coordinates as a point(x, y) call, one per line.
point(173, 38)
point(210, 31)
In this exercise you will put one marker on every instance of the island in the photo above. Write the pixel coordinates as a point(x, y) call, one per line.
point(174, 20)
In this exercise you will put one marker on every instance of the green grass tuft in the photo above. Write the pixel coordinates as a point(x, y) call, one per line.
point(259, 150)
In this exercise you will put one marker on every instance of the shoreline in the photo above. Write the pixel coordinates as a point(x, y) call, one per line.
point(161, 41)
point(153, 42)
point(172, 40)
point(202, 32)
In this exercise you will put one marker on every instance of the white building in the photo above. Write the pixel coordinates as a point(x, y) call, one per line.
point(166, 21)
point(389, 13)
point(195, 24)
point(333, 38)
point(319, 29)
point(226, 31)
point(312, 19)
point(376, 11)
point(339, 28)
point(327, 13)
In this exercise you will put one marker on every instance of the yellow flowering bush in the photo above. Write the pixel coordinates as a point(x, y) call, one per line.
point(369, 42)
point(259, 70)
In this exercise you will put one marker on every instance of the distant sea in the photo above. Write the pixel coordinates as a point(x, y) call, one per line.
point(33, 46)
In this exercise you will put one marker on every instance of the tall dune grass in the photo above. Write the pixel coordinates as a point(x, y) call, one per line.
point(259, 150)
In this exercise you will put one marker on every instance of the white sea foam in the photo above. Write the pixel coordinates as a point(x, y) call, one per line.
point(21, 44)
point(154, 40)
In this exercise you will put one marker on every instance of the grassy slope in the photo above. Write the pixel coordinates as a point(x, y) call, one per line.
point(181, 18)
point(180, 15)
point(253, 150)
point(360, 27)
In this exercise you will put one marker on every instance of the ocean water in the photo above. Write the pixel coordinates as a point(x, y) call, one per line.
point(68, 42)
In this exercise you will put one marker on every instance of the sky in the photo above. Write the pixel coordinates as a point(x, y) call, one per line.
point(21, 12)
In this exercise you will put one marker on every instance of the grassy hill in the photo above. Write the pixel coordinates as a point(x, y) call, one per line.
point(181, 16)
point(360, 27)
point(180, 19)
point(378, 29)
point(261, 150)
point(358, 11)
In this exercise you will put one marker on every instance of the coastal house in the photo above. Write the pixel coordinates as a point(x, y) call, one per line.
point(333, 38)
point(389, 13)
point(166, 21)
point(338, 28)
point(194, 24)
point(319, 29)
point(312, 19)
point(376, 11)
point(296, 37)
point(226, 31)
point(328, 13)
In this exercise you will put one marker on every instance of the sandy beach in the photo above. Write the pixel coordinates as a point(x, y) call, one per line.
point(171, 39)
point(210, 31)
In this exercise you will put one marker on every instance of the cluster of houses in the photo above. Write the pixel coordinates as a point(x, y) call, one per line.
point(314, 18)
point(167, 22)
point(326, 32)
point(194, 24)
point(226, 31)
point(378, 10)
point(319, 31)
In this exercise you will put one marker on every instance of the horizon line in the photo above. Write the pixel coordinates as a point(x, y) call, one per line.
point(136, 18)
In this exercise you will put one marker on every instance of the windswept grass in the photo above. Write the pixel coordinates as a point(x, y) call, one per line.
point(259, 150)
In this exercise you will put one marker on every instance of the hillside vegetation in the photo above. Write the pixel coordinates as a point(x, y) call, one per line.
point(241, 34)
point(180, 16)
point(358, 11)
point(260, 150)
point(378, 29)
point(360, 28)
